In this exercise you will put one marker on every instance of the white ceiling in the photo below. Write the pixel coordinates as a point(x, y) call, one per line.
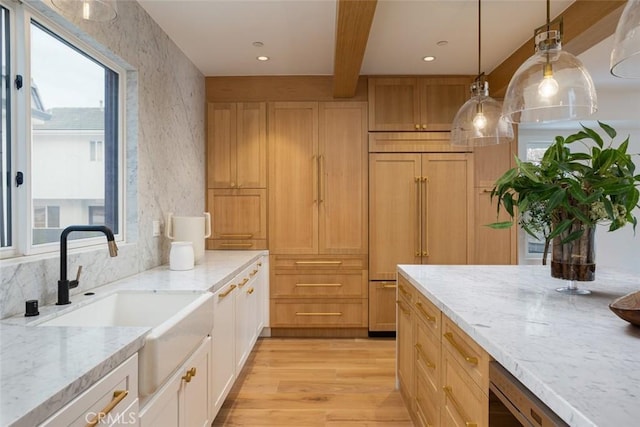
point(299, 35)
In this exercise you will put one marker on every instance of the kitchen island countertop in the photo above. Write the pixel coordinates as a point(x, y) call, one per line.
point(42, 369)
point(571, 351)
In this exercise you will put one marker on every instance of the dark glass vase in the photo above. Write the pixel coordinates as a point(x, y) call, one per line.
point(574, 261)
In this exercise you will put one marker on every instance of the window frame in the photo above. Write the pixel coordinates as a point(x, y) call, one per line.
point(21, 18)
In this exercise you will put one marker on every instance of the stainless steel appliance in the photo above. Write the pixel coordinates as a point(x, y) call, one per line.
point(511, 404)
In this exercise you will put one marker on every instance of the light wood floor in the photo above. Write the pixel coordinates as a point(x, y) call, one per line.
point(317, 382)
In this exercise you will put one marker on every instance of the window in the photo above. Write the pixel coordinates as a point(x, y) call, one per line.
point(534, 248)
point(72, 160)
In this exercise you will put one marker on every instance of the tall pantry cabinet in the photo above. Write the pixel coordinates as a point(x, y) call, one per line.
point(318, 216)
point(237, 175)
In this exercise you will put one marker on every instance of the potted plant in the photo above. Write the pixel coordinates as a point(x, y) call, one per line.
point(567, 193)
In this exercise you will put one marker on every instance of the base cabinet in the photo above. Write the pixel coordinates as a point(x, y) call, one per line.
point(118, 390)
point(443, 374)
point(183, 401)
point(382, 306)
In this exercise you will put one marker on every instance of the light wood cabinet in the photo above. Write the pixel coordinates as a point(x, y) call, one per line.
point(237, 145)
point(415, 103)
point(492, 246)
point(382, 306)
point(449, 385)
point(318, 214)
point(420, 208)
point(237, 175)
point(239, 218)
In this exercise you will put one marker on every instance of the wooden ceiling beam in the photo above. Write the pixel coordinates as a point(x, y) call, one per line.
point(586, 23)
point(353, 22)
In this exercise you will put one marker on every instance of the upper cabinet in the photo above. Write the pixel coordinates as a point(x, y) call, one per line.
point(415, 103)
point(237, 145)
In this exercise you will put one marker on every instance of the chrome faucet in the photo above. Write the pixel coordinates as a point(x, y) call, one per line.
point(64, 284)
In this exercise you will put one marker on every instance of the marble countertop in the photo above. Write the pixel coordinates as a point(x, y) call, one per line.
point(571, 351)
point(42, 369)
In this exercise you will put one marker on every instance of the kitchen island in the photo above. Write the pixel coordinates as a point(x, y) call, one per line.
point(571, 351)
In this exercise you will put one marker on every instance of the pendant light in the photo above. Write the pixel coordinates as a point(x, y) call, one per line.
point(89, 10)
point(625, 56)
point(552, 85)
point(479, 121)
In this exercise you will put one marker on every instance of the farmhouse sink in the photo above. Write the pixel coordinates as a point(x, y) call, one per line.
point(178, 321)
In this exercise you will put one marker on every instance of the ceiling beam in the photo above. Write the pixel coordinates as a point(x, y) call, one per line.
point(586, 23)
point(353, 22)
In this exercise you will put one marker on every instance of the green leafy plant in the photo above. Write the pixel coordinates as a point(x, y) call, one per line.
point(567, 188)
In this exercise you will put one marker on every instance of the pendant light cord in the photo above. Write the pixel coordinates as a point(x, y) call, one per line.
point(479, 35)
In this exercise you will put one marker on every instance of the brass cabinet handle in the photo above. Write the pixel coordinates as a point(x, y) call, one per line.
point(118, 396)
point(227, 292)
point(253, 273)
point(190, 374)
point(250, 291)
point(320, 313)
point(425, 201)
point(314, 159)
point(401, 307)
point(424, 356)
point(244, 282)
point(418, 222)
point(470, 359)
point(236, 236)
point(429, 317)
point(389, 285)
point(237, 245)
point(259, 264)
point(318, 262)
point(404, 291)
point(321, 188)
point(318, 285)
point(449, 392)
point(417, 127)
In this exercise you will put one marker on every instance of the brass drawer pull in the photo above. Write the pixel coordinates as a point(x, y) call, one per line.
point(429, 317)
point(250, 291)
point(259, 264)
point(318, 262)
point(227, 292)
point(470, 359)
point(321, 313)
point(253, 273)
point(237, 245)
point(424, 357)
point(236, 236)
point(389, 285)
point(449, 392)
point(244, 282)
point(404, 291)
point(118, 396)
point(401, 307)
point(318, 285)
point(190, 374)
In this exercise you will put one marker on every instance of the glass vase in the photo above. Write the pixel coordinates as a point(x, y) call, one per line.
point(574, 261)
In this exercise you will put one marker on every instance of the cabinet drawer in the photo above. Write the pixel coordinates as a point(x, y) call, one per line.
point(427, 357)
point(428, 313)
point(406, 291)
point(236, 244)
point(464, 403)
point(427, 405)
point(116, 394)
point(319, 262)
point(469, 355)
point(341, 285)
point(319, 313)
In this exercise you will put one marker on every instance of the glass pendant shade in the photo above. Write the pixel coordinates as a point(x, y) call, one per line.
point(551, 86)
point(90, 10)
point(479, 121)
point(625, 56)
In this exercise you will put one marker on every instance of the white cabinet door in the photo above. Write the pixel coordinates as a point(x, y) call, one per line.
point(243, 312)
point(223, 337)
point(262, 295)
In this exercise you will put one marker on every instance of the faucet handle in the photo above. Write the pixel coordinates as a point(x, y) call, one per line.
point(75, 283)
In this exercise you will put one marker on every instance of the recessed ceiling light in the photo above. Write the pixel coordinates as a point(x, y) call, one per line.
point(258, 44)
point(429, 58)
point(442, 43)
point(262, 58)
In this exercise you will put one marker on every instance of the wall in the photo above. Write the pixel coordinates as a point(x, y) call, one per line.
point(165, 156)
point(619, 108)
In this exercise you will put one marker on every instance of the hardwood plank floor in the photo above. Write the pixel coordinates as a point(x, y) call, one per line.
point(317, 382)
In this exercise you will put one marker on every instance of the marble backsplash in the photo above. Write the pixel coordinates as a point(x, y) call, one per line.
point(165, 155)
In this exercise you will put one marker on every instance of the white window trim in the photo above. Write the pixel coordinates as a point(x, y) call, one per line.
point(20, 19)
